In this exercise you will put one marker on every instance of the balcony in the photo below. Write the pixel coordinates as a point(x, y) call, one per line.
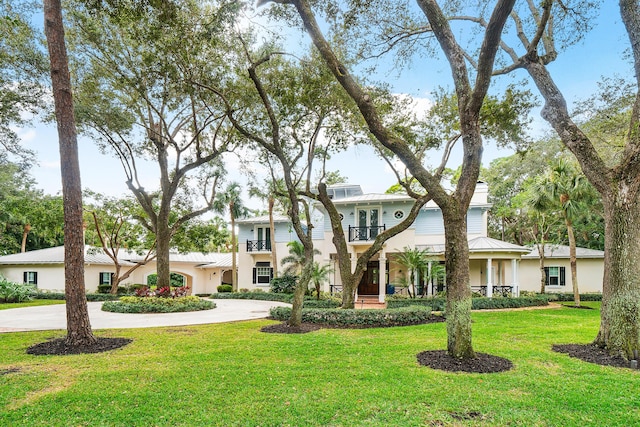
point(258, 246)
point(365, 234)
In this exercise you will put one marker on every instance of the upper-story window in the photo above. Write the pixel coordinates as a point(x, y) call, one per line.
point(398, 214)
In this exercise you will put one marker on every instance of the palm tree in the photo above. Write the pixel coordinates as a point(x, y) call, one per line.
point(230, 200)
point(319, 275)
point(561, 190)
point(415, 261)
point(294, 262)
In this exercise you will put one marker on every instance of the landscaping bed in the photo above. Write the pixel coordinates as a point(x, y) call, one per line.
point(157, 305)
point(341, 318)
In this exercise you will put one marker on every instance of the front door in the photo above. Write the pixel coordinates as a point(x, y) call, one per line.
point(369, 284)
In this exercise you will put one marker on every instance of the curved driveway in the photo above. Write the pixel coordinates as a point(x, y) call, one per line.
point(54, 316)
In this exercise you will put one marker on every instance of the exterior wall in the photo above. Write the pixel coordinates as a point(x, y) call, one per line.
point(590, 275)
point(50, 276)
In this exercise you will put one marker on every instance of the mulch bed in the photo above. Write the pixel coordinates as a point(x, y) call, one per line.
point(482, 364)
point(59, 347)
point(284, 328)
point(592, 354)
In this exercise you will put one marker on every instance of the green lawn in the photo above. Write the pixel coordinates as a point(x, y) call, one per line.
point(32, 303)
point(234, 375)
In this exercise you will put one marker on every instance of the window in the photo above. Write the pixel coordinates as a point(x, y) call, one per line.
point(555, 276)
point(105, 278)
point(341, 216)
point(398, 214)
point(30, 277)
point(262, 273)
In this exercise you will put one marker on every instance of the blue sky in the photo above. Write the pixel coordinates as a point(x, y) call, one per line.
point(576, 71)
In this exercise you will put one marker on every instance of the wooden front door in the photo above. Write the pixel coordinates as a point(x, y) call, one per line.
point(369, 284)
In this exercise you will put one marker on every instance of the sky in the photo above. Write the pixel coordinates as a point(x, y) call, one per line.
point(576, 71)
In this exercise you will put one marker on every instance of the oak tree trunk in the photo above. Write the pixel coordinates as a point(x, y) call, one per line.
point(163, 247)
point(458, 306)
point(78, 325)
point(620, 312)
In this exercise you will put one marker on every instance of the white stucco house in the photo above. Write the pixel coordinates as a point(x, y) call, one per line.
point(495, 266)
point(44, 268)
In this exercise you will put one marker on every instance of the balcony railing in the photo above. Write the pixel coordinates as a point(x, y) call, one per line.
point(363, 234)
point(258, 246)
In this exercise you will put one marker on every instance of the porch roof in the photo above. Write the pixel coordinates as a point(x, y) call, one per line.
point(481, 244)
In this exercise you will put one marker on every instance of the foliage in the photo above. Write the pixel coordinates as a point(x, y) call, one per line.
point(294, 262)
point(134, 304)
point(15, 292)
point(352, 317)
point(225, 288)
point(23, 67)
point(176, 280)
point(483, 303)
point(319, 276)
point(161, 292)
point(570, 297)
point(24, 209)
point(285, 284)
point(262, 296)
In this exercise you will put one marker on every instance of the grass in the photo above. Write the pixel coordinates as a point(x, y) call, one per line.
point(234, 375)
point(32, 303)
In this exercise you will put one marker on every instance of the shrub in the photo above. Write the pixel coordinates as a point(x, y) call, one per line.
point(132, 304)
point(439, 304)
point(569, 297)
point(322, 303)
point(101, 297)
point(371, 318)
point(261, 296)
point(285, 284)
point(106, 289)
point(15, 292)
point(49, 295)
point(225, 288)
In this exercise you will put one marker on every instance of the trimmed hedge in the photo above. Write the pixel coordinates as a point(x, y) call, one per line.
point(376, 318)
point(309, 302)
point(90, 297)
point(322, 303)
point(569, 297)
point(157, 305)
point(262, 296)
point(225, 288)
point(439, 304)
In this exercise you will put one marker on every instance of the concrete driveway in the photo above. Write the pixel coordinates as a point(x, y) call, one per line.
point(54, 316)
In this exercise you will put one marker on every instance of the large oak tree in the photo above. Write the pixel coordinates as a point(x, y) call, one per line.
point(470, 96)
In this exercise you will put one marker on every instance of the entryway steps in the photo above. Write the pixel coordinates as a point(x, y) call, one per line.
point(369, 302)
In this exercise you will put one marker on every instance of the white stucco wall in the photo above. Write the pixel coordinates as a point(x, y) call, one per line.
point(590, 275)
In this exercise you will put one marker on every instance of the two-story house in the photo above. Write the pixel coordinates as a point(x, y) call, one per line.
point(493, 263)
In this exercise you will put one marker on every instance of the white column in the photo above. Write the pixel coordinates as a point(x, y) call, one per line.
point(427, 283)
point(514, 277)
point(354, 260)
point(489, 279)
point(382, 278)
